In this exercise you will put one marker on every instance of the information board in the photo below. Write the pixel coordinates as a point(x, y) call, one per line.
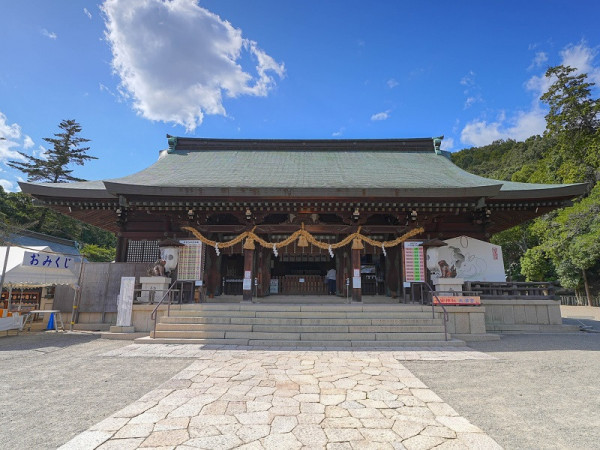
point(190, 265)
point(414, 262)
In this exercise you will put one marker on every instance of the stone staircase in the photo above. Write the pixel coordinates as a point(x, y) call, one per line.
point(297, 325)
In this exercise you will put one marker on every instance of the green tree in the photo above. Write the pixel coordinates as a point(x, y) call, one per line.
point(95, 253)
point(515, 242)
point(65, 151)
point(18, 212)
point(570, 238)
point(574, 121)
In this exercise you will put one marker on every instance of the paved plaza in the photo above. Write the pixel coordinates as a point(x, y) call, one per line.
point(281, 399)
point(78, 391)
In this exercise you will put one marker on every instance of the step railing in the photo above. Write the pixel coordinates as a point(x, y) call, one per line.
point(433, 294)
point(168, 294)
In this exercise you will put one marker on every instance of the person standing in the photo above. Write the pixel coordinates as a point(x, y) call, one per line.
point(331, 278)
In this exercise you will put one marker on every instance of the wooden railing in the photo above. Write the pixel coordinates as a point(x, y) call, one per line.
point(512, 290)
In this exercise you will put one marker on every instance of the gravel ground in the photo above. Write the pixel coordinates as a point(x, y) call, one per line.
point(541, 393)
point(54, 386)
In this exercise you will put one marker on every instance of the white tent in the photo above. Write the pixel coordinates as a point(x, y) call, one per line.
point(63, 269)
point(30, 267)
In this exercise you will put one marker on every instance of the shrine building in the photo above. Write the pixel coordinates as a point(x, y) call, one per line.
point(276, 215)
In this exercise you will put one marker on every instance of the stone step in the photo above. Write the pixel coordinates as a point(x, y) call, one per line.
point(362, 344)
point(415, 344)
point(297, 321)
point(188, 334)
point(150, 340)
point(306, 314)
point(196, 319)
point(348, 329)
point(91, 326)
point(201, 327)
point(300, 307)
point(274, 337)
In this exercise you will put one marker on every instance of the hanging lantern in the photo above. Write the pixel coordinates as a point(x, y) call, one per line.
point(169, 252)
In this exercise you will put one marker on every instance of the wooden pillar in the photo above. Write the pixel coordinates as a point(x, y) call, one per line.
point(122, 244)
point(342, 270)
point(212, 269)
point(355, 276)
point(248, 279)
point(392, 271)
point(263, 269)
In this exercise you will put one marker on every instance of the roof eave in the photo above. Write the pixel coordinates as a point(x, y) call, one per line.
point(567, 190)
point(63, 190)
point(283, 192)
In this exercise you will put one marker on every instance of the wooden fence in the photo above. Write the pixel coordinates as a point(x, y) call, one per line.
point(575, 300)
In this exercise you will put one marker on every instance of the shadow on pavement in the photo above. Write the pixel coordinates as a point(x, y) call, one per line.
point(581, 341)
point(43, 340)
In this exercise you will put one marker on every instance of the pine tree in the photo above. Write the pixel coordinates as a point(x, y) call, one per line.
point(65, 151)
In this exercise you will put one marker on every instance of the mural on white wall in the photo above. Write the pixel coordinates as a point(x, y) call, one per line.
point(467, 258)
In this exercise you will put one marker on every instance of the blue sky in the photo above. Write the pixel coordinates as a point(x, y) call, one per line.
point(132, 71)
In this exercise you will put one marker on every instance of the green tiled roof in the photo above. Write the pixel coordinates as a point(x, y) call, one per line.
point(294, 168)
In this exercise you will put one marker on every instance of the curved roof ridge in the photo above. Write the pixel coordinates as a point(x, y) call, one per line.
point(177, 143)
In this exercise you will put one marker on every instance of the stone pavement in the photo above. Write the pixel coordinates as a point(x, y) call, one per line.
point(288, 399)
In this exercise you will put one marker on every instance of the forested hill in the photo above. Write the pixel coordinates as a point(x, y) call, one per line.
point(564, 245)
point(504, 160)
point(18, 212)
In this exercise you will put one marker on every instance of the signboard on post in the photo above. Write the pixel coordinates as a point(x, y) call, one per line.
point(414, 262)
point(191, 263)
point(125, 302)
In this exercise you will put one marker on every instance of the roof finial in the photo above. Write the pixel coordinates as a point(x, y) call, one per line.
point(172, 140)
point(437, 143)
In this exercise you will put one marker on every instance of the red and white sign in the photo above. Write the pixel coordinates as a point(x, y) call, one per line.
point(457, 300)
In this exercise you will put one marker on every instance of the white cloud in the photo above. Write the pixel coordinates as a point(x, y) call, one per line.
point(10, 137)
point(469, 79)
point(87, 13)
point(49, 34)
point(339, 132)
point(539, 59)
point(28, 142)
point(8, 186)
point(472, 90)
point(384, 115)
point(525, 123)
point(392, 83)
point(520, 126)
point(177, 59)
point(581, 57)
point(447, 144)
point(9, 131)
point(470, 101)
point(41, 153)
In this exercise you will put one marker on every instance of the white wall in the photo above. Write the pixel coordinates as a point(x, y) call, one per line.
point(471, 259)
